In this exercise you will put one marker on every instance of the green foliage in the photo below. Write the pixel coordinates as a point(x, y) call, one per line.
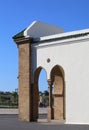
point(9, 99)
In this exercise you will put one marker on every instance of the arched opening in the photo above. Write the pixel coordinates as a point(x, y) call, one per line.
point(40, 94)
point(57, 81)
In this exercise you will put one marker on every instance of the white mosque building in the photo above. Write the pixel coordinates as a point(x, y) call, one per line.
point(69, 50)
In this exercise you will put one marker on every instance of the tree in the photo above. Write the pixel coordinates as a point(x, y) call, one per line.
point(46, 93)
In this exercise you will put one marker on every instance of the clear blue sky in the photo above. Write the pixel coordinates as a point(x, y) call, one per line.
point(15, 15)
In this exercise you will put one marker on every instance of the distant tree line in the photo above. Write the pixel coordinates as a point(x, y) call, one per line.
point(8, 99)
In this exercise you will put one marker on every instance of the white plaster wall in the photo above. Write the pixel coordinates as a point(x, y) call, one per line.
point(74, 58)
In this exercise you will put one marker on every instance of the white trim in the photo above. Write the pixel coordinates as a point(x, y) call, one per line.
point(25, 32)
point(66, 34)
point(60, 42)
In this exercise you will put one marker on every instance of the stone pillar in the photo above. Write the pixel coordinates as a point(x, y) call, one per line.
point(50, 109)
point(35, 96)
point(24, 78)
point(58, 99)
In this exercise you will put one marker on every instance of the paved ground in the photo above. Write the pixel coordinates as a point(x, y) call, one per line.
point(15, 111)
point(8, 111)
point(10, 122)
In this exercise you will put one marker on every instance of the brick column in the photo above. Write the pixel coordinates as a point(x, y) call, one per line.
point(58, 98)
point(35, 102)
point(50, 109)
point(24, 79)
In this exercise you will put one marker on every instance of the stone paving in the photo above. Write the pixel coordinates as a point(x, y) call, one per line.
point(8, 111)
point(9, 121)
point(15, 111)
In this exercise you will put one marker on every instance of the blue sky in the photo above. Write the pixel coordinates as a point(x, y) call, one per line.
point(15, 15)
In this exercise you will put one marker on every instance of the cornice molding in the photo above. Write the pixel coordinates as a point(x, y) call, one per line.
point(23, 40)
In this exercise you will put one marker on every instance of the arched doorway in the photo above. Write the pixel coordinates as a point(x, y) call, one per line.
point(39, 101)
point(57, 81)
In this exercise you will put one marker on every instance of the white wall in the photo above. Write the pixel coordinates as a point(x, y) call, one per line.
point(74, 58)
